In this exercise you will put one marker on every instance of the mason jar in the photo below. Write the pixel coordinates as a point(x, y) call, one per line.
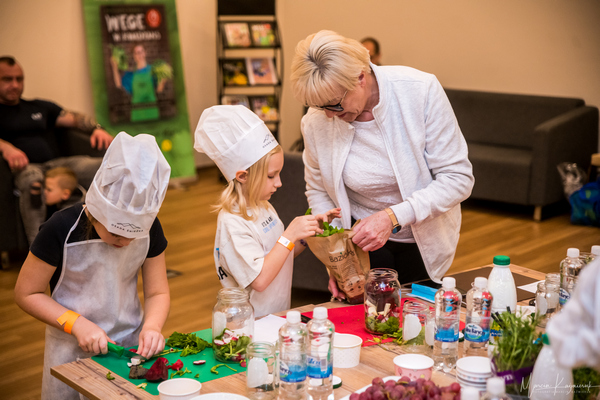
point(260, 382)
point(546, 301)
point(382, 301)
point(415, 316)
point(232, 322)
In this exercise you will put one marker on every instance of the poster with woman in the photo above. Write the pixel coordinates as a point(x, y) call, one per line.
point(137, 74)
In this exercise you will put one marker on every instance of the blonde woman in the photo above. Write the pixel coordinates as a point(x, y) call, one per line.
point(383, 144)
point(252, 248)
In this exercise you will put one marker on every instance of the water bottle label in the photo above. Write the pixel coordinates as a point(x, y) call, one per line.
point(319, 367)
point(446, 335)
point(475, 333)
point(292, 373)
point(563, 296)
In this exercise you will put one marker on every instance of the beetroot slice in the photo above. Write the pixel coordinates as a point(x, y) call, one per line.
point(158, 371)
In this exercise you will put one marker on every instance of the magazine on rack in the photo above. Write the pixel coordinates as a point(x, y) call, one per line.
point(263, 34)
point(265, 107)
point(234, 72)
point(261, 71)
point(235, 100)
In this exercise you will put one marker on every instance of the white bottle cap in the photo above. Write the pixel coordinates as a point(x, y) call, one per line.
point(293, 317)
point(480, 282)
point(448, 282)
point(469, 393)
point(573, 252)
point(320, 313)
point(596, 250)
point(495, 386)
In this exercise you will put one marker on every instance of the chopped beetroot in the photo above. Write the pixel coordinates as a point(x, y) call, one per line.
point(159, 371)
point(176, 366)
point(243, 363)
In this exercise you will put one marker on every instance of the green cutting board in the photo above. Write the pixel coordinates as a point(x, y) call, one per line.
point(118, 365)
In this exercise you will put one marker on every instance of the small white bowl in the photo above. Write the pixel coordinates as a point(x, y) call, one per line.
point(478, 366)
point(414, 366)
point(346, 350)
point(179, 389)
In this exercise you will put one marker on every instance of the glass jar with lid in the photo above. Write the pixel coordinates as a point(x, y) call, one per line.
point(232, 322)
point(416, 319)
point(546, 301)
point(382, 301)
point(260, 384)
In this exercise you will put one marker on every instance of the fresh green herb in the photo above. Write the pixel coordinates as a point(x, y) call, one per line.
point(214, 369)
point(109, 376)
point(188, 342)
point(329, 230)
point(181, 372)
point(518, 347)
point(197, 376)
point(308, 212)
point(586, 384)
point(118, 53)
point(391, 325)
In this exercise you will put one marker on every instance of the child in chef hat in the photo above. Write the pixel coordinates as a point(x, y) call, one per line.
point(253, 250)
point(91, 253)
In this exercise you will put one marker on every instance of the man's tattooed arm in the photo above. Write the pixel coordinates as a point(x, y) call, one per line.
point(78, 120)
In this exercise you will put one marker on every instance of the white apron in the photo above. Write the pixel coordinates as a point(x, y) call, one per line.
point(99, 282)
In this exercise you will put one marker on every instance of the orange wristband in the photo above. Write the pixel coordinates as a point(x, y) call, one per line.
point(68, 319)
point(286, 242)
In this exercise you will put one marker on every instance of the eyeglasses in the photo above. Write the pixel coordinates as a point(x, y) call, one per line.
point(334, 107)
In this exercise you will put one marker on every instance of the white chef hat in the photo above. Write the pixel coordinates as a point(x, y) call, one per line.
point(234, 137)
point(130, 185)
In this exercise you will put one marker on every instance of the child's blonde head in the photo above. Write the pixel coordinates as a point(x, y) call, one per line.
point(66, 178)
point(238, 198)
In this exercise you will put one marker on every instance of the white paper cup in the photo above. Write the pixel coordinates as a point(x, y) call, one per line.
point(179, 389)
point(346, 350)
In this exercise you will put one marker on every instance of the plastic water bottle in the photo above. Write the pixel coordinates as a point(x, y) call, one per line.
point(549, 380)
point(501, 285)
point(478, 319)
point(495, 390)
point(292, 358)
point(447, 315)
point(569, 270)
point(320, 356)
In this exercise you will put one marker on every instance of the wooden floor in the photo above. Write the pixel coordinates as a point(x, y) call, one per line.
point(487, 230)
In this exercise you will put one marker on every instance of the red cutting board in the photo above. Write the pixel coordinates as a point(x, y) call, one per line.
point(351, 320)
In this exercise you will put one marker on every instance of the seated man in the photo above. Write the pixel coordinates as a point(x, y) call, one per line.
point(29, 145)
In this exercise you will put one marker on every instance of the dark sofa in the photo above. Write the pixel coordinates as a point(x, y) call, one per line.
point(12, 234)
point(516, 142)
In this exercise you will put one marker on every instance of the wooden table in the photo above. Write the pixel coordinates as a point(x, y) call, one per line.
point(89, 377)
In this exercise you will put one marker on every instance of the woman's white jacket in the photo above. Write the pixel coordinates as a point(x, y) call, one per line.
point(427, 151)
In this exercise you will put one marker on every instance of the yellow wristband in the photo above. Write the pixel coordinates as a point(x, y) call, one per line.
point(286, 243)
point(68, 319)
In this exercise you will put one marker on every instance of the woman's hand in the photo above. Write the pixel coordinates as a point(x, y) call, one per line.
point(302, 227)
point(373, 232)
point(151, 342)
point(333, 287)
point(329, 216)
point(90, 337)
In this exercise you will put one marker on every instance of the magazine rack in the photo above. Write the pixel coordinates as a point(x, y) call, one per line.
point(250, 58)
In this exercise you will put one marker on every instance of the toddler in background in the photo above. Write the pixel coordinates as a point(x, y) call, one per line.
point(61, 190)
point(253, 250)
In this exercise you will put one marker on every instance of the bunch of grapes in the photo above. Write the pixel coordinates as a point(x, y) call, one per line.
point(406, 389)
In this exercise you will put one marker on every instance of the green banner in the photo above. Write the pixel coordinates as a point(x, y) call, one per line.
point(137, 74)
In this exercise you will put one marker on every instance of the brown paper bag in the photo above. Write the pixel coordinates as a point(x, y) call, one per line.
point(347, 262)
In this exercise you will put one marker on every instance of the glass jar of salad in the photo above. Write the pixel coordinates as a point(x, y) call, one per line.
point(232, 324)
point(382, 301)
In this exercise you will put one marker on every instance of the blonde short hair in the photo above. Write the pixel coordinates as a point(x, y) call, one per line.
point(325, 62)
point(235, 194)
point(66, 177)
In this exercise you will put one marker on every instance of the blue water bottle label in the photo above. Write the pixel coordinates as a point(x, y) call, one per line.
point(563, 296)
point(446, 335)
point(291, 373)
point(319, 367)
point(475, 333)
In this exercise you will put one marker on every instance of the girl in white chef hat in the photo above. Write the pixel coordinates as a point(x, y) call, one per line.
point(91, 253)
point(252, 248)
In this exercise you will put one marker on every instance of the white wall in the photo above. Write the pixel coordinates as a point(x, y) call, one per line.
point(546, 47)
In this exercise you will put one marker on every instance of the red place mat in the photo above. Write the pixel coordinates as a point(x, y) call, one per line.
point(351, 319)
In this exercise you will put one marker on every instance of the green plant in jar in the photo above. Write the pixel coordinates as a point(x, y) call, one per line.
point(516, 350)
